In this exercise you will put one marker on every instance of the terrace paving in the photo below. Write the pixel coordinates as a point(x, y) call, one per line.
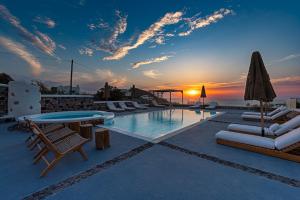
point(189, 165)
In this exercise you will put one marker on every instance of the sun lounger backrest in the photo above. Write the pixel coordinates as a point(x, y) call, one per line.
point(111, 105)
point(277, 110)
point(289, 125)
point(42, 136)
point(136, 104)
point(122, 104)
point(288, 139)
point(281, 113)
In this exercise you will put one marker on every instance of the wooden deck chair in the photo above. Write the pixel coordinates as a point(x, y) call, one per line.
point(32, 139)
point(286, 146)
point(60, 149)
point(53, 132)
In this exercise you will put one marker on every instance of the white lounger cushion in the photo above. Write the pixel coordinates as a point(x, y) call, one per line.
point(268, 114)
point(279, 114)
point(274, 127)
point(246, 139)
point(249, 129)
point(289, 125)
point(255, 117)
point(287, 139)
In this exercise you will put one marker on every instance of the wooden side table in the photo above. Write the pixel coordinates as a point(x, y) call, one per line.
point(75, 126)
point(86, 131)
point(102, 138)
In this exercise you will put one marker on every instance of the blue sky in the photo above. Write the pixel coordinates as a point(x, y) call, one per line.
point(152, 44)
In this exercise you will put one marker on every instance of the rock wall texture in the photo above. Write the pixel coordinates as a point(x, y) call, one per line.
point(55, 103)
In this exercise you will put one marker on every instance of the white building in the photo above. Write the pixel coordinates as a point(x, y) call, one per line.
point(66, 89)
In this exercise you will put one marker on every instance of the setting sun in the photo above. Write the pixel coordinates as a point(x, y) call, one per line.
point(193, 92)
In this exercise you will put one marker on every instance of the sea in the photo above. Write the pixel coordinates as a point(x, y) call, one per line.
point(229, 102)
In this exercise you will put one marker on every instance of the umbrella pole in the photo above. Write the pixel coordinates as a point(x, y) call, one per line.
point(262, 118)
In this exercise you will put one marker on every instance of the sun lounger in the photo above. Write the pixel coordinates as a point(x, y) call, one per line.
point(47, 129)
point(111, 106)
point(59, 149)
point(212, 105)
point(277, 110)
point(274, 130)
point(285, 146)
point(274, 117)
point(155, 104)
point(123, 105)
point(138, 106)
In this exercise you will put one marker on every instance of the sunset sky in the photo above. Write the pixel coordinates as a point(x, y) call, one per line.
point(152, 44)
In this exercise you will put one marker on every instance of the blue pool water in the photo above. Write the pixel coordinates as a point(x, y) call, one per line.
point(155, 126)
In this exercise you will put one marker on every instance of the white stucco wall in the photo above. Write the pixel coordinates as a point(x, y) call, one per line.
point(23, 99)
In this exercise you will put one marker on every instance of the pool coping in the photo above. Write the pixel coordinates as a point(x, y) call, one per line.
point(166, 135)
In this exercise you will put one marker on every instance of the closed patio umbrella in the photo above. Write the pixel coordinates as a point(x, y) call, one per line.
point(106, 91)
point(203, 94)
point(133, 92)
point(258, 85)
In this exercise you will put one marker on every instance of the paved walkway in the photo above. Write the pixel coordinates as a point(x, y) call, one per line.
point(189, 165)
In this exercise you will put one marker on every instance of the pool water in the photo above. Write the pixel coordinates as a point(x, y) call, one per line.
point(68, 116)
point(155, 126)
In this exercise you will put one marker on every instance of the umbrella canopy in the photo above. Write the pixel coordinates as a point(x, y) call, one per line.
point(106, 91)
point(258, 85)
point(203, 93)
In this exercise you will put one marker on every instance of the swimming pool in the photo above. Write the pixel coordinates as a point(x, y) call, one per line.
point(69, 116)
point(156, 126)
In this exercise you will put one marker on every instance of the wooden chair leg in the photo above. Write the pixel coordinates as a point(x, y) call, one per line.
point(38, 158)
point(33, 139)
point(82, 153)
point(50, 166)
point(33, 144)
point(29, 138)
point(40, 152)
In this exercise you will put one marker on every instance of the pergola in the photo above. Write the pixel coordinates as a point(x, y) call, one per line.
point(160, 93)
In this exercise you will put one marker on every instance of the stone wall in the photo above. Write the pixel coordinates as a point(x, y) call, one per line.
point(55, 103)
point(3, 99)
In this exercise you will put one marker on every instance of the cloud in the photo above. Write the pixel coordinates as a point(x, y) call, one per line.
point(195, 23)
point(150, 61)
point(45, 20)
point(90, 80)
point(46, 40)
point(287, 80)
point(289, 57)
point(20, 50)
point(111, 43)
point(110, 77)
point(169, 18)
point(86, 51)
point(152, 73)
point(160, 40)
point(45, 46)
point(119, 28)
point(100, 24)
point(62, 46)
